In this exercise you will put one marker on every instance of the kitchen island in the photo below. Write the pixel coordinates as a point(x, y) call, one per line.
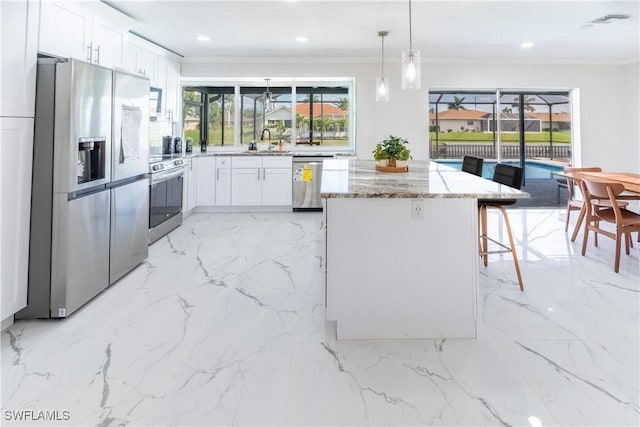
point(402, 249)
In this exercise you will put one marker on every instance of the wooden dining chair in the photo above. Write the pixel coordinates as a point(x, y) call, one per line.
point(625, 221)
point(573, 202)
point(472, 165)
point(511, 176)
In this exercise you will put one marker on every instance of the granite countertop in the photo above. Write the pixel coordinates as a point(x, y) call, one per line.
point(268, 153)
point(343, 178)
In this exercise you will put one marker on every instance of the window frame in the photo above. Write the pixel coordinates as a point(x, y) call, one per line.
point(328, 82)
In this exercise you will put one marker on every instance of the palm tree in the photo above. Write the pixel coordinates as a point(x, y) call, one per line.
point(507, 110)
point(343, 104)
point(527, 103)
point(456, 104)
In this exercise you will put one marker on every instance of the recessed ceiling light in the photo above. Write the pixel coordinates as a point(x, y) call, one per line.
point(203, 38)
point(302, 39)
point(527, 45)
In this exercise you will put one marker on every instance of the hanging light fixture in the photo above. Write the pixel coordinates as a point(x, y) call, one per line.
point(382, 82)
point(267, 97)
point(410, 63)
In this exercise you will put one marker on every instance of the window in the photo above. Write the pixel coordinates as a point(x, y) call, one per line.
point(230, 114)
point(209, 115)
point(322, 116)
point(255, 119)
point(192, 115)
point(220, 124)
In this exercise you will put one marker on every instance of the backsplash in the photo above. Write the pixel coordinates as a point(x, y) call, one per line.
point(158, 129)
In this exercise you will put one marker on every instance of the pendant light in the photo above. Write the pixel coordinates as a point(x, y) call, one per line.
point(382, 82)
point(410, 63)
point(267, 97)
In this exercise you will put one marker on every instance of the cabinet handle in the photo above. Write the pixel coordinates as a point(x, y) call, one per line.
point(264, 174)
point(217, 174)
point(97, 55)
point(89, 52)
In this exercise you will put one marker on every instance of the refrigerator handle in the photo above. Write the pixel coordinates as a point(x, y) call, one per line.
point(97, 61)
point(89, 52)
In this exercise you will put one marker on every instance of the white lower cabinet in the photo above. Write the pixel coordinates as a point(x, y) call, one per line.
point(189, 190)
point(261, 181)
point(205, 181)
point(242, 181)
point(246, 188)
point(223, 181)
point(16, 151)
point(276, 186)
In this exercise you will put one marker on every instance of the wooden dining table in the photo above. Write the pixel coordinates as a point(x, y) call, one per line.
point(630, 181)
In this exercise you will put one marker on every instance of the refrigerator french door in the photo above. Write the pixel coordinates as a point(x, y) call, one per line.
point(129, 174)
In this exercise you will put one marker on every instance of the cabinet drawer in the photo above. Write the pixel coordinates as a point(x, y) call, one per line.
point(223, 162)
point(276, 162)
point(246, 162)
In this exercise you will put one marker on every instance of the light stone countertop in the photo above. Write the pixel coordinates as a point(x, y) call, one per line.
point(344, 178)
point(268, 153)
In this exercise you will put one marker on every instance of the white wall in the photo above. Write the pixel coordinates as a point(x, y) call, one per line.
point(609, 100)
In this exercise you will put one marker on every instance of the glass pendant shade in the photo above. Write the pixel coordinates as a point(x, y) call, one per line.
point(267, 97)
point(382, 82)
point(382, 89)
point(411, 69)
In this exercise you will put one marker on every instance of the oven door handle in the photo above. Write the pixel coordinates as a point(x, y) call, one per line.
point(161, 177)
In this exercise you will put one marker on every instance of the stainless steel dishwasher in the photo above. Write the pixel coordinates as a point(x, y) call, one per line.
point(307, 180)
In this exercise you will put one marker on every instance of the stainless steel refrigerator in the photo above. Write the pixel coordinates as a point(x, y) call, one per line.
point(75, 200)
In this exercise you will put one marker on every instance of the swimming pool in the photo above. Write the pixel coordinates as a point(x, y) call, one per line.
point(532, 169)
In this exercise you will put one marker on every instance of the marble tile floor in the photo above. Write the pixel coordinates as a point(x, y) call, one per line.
point(224, 325)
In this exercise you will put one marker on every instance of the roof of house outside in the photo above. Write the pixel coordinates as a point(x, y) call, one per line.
point(480, 115)
point(555, 117)
point(320, 108)
point(459, 115)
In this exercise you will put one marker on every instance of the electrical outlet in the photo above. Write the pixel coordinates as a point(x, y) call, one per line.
point(417, 209)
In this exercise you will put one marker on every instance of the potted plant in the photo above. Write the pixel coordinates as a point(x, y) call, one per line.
point(392, 152)
point(380, 156)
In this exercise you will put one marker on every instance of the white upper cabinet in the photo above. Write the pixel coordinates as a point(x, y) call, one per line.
point(173, 96)
point(163, 70)
point(144, 62)
point(90, 31)
point(18, 33)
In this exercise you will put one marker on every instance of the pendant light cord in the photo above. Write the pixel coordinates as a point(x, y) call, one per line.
point(410, 31)
point(382, 60)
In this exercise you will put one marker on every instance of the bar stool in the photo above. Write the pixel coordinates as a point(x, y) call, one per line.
point(472, 165)
point(511, 176)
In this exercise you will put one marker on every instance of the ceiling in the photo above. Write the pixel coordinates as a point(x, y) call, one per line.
point(339, 30)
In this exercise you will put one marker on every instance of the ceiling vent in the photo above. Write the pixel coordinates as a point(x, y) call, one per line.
point(607, 19)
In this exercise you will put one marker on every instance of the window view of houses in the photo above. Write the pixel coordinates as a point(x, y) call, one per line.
point(321, 115)
point(463, 123)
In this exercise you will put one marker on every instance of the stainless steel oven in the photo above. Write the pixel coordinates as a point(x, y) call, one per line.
point(165, 197)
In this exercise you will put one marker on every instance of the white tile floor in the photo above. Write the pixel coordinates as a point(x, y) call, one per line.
point(224, 325)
